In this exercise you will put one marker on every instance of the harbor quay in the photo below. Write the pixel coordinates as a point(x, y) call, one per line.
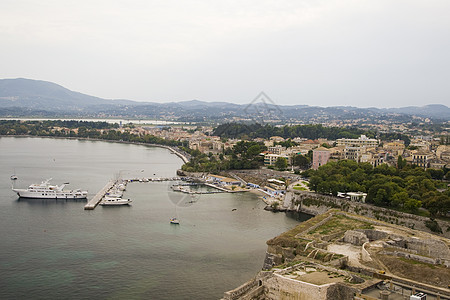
point(99, 196)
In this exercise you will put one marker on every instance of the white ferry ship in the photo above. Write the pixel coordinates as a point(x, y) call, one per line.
point(45, 190)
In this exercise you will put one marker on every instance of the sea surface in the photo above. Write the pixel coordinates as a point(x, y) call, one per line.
point(54, 249)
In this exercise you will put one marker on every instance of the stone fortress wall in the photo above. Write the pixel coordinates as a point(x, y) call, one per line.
point(316, 204)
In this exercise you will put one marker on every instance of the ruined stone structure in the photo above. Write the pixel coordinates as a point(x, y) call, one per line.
point(316, 204)
point(307, 263)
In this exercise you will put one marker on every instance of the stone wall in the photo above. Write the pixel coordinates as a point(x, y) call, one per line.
point(365, 256)
point(251, 290)
point(272, 259)
point(340, 291)
point(429, 247)
point(355, 237)
point(279, 287)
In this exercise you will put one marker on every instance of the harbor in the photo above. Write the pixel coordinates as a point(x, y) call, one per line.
point(137, 240)
point(182, 187)
point(112, 187)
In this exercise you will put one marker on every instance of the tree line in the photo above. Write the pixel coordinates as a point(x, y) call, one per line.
point(407, 188)
point(79, 129)
point(255, 130)
point(243, 155)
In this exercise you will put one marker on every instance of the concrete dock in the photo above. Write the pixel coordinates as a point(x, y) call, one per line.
point(94, 201)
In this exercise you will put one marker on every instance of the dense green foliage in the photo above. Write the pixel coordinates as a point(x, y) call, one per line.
point(244, 155)
point(237, 130)
point(302, 161)
point(251, 131)
point(93, 130)
point(281, 163)
point(406, 189)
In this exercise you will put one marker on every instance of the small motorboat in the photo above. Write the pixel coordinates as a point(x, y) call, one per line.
point(174, 221)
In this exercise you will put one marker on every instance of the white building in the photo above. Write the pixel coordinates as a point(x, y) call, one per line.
point(361, 141)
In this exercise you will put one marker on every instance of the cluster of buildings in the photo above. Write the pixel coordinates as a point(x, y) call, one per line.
point(423, 151)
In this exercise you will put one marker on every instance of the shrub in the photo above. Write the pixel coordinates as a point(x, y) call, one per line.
point(433, 225)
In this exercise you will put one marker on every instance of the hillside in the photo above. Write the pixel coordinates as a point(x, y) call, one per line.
point(27, 98)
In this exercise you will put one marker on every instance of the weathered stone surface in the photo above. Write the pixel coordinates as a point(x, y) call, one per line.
point(354, 237)
point(340, 291)
point(251, 290)
point(271, 260)
point(279, 287)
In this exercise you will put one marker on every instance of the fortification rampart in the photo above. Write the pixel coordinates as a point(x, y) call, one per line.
point(316, 204)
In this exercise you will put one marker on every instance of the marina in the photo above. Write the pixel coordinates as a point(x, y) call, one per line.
point(111, 193)
point(50, 250)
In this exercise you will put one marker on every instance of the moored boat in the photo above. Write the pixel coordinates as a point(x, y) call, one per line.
point(114, 201)
point(45, 190)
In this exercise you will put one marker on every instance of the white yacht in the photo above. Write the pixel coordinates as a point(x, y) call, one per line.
point(114, 201)
point(45, 190)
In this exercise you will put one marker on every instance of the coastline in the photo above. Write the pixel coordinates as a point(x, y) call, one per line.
point(174, 150)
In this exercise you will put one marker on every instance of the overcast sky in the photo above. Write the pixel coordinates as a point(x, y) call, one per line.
point(382, 53)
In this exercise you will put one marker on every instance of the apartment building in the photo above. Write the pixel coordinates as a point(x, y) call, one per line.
point(361, 141)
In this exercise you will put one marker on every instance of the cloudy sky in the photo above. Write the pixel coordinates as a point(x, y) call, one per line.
point(382, 53)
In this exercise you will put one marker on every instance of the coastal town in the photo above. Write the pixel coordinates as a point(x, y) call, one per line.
point(233, 150)
point(227, 156)
point(361, 244)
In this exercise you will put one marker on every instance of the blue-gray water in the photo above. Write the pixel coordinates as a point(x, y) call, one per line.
point(56, 250)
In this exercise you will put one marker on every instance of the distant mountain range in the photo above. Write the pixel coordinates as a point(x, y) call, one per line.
point(34, 98)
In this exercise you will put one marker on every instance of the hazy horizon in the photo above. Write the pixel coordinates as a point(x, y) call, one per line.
point(383, 54)
point(256, 100)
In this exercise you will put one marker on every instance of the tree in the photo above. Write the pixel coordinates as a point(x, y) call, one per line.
point(413, 205)
point(254, 150)
point(314, 182)
point(436, 174)
point(281, 163)
point(301, 161)
point(399, 199)
point(401, 163)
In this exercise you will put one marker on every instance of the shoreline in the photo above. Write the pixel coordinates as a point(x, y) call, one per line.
point(170, 148)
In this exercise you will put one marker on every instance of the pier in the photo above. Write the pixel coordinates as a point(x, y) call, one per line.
point(144, 179)
point(98, 197)
point(183, 188)
point(224, 189)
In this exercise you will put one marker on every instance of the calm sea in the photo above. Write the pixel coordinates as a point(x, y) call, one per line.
point(53, 249)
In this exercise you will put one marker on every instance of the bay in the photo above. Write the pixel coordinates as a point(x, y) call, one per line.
point(54, 249)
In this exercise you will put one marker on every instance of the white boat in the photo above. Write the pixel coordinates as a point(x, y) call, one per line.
point(174, 221)
point(45, 190)
point(114, 193)
point(114, 201)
